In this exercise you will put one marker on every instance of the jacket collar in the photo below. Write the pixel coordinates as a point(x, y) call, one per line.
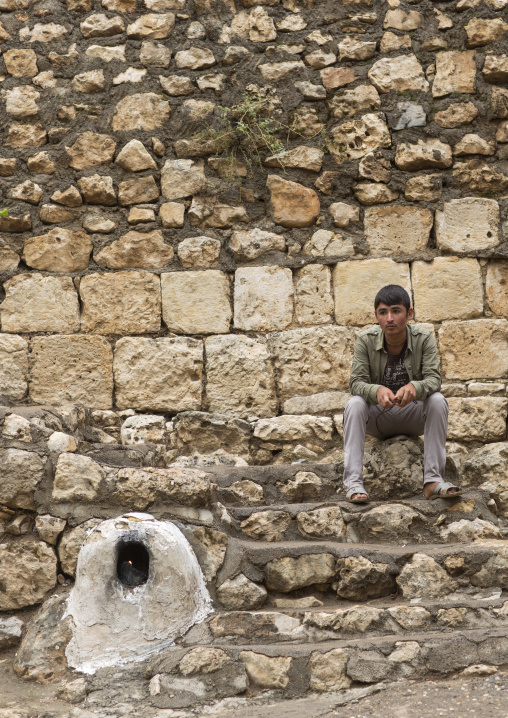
point(380, 338)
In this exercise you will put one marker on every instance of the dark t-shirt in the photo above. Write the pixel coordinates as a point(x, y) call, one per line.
point(396, 376)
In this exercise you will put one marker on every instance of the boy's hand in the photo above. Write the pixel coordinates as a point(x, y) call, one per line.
point(405, 395)
point(385, 397)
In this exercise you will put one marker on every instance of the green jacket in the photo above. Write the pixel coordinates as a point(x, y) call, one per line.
point(370, 359)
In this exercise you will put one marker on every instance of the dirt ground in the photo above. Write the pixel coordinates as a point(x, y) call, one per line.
point(460, 697)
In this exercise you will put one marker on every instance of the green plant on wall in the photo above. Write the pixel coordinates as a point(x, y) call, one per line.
point(246, 134)
point(3, 212)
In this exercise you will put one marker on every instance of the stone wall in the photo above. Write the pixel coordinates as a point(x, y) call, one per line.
point(138, 276)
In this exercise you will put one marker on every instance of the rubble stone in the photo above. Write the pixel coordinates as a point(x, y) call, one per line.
point(397, 229)
point(263, 298)
point(360, 579)
point(265, 671)
point(327, 671)
point(199, 252)
point(398, 73)
point(196, 302)
point(474, 349)
point(145, 250)
point(29, 586)
point(293, 204)
point(356, 138)
point(455, 72)
point(240, 594)
point(467, 224)
point(423, 577)
point(482, 418)
point(34, 303)
point(288, 574)
point(84, 374)
point(120, 303)
point(447, 288)
point(162, 374)
point(142, 111)
point(59, 250)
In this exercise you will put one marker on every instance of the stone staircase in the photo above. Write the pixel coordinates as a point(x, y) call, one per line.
point(311, 594)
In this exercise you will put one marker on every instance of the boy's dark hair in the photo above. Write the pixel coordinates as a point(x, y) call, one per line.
point(392, 294)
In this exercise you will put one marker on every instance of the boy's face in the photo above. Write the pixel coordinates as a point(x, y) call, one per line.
point(393, 319)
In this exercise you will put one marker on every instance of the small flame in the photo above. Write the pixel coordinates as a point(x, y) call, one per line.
point(130, 562)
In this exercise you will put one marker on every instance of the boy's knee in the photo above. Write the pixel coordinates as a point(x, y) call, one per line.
point(437, 401)
point(355, 404)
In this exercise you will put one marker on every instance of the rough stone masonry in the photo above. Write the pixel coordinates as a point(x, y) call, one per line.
point(203, 309)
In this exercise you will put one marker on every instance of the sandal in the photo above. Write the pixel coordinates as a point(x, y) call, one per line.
point(440, 491)
point(357, 490)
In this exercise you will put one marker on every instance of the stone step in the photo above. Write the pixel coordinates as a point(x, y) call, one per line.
point(359, 572)
point(405, 521)
point(377, 618)
point(187, 675)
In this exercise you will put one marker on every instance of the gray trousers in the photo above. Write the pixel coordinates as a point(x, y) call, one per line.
point(418, 417)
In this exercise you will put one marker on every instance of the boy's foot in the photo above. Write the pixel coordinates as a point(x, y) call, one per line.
point(357, 496)
point(448, 490)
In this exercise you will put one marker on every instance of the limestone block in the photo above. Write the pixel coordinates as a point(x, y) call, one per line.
point(327, 671)
point(495, 68)
point(210, 546)
point(477, 176)
point(353, 49)
point(105, 53)
point(426, 154)
point(472, 144)
point(474, 349)
point(177, 85)
point(294, 428)
point(374, 193)
point(361, 579)
point(311, 360)
point(389, 521)
point(155, 26)
point(464, 531)
point(59, 443)
point(424, 577)
point(494, 571)
point(482, 418)
point(333, 77)
point(196, 302)
point(205, 212)
point(10, 632)
point(455, 72)
point(320, 58)
point(22, 588)
point(34, 303)
point(195, 58)
point(353, 100)
point(21, 63)
point(402, 20)
point(481, 31)
point(447, 288)
point(266, 525)
point(390, 42)
point(460, 113)
point(289, 574)
point(274, 71)
point(98, 189)
point(182, 178)
point(158, 374)
point(84, 373)
point(172, 214)
point(120, 303)
point(20, 474)
point(199, 252)
point(41, 163)
point(137, 488)
point(59, 250)
point(28, 135)
point(293, 205)
point(70, 545)
point(9, 260)
point(324, 243)
point(400, 74)
point(100, 25)
point(369, 666)
point(92, 81)
point(134, 157)
point(43, 32)
point(355, 285)
point(204, 433)
point(241, 594)
point(486, 467)
point(17, 427)
point(302, 157)
point(322, 403)
point(145, 250)
point(251, 244)
point(203, 660)
point(313, 295)
point(423, 188)
point(240, 379)
point(144, 429)
point(27, 191)
point(467, 224)
point(322, 523)
point(496, 287)
point(137, 191)
point(76, 478)
point(263, 298)
point(21, 101)
point(265, 671)
point(354, 139)
point(141, 111)
point(13, 366)
point(69, 197)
